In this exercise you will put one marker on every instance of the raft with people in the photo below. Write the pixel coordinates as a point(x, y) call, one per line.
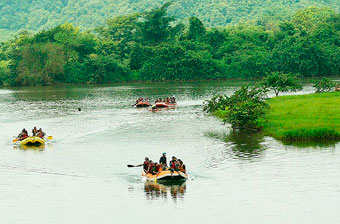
point(168, 102)
point(153, 171)
point(141, 102)
point(37, 138)
point(159, 103)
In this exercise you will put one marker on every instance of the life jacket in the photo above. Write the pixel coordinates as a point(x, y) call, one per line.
point(146, 165)
point(150, 168)
point(155, 169)
point(172, 164)
point(181, 168)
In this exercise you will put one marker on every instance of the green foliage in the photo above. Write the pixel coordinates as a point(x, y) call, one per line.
point(281, 82)
point(304, 117)
point(242, 110)
point(105, 69)
point(217, 103)
point(152, 45)
point(45, 14)
point(323, 85)
point(311, 134)
point(4, 73)
point(196, 29)
point(245, 107)
point(40, 63)
point(156, 27)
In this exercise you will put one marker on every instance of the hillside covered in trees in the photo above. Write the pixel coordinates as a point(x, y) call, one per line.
point(155, 46)
point(34, 15)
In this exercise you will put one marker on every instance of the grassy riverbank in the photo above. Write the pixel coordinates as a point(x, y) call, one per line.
point(304, 117)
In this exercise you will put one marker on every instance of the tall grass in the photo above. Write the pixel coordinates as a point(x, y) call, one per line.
point(304, 117)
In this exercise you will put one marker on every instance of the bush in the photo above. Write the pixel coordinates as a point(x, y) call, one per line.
point(245, 107)
point(242, 109)
point(323, 85)
point(218, 102)
point(281, 82)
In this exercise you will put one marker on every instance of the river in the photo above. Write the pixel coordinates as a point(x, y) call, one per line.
point(82, 175)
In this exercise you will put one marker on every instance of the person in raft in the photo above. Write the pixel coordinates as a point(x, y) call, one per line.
point(146, 164)
point(181, 166)
point(162, 161)
point(23, 134)
point(34, 131)
point(40, 133)
point(173, 164)
point(150, 166)
point(155, 168)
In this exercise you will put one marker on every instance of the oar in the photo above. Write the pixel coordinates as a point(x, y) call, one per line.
point(15, 140)
point(134, 165)
point(49, 137)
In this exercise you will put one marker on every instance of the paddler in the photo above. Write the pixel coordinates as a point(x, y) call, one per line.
point(40, 133)
point(181, 166)
point(162, 161)
point(155, 169)
point(34, 131)
point(146, 164)
point(172, 164)
point(23, 134)
point(150, 167)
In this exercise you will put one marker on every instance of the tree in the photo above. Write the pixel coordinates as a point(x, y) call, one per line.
point(245, 107)
point(196, 29)
point(323, 85)
point(4, 73)
point(156, 27)
point(40, 64)
point(281, 82)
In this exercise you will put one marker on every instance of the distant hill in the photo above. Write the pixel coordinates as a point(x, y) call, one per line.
point(35, 15)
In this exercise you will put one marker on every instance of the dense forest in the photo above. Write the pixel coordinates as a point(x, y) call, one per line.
point(33, 15)
point(155, 46)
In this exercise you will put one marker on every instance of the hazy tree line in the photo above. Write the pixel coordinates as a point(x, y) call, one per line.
point(155, 46)
point(45, 14)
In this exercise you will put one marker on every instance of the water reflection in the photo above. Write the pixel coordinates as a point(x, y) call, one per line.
point(245, 146)
point(241, 145)
point(154, 190)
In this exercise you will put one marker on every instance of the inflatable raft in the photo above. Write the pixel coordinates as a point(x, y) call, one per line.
point(143, 104)
point(166, 176)
point(161, 104)
point(32, 141)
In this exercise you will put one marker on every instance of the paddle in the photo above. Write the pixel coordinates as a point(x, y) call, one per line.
point(49, 137)
point(15, 140)
point(134, 165)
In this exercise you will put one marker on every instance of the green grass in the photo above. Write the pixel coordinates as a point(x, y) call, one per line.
point(304, 117)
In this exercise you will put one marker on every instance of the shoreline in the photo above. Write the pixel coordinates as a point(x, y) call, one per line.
point(301, 118)
point(240, 79)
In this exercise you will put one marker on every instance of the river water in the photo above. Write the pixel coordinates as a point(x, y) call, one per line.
point(82, 175)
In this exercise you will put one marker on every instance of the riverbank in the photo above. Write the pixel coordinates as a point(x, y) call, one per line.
point(301, 117)
point(304, 117)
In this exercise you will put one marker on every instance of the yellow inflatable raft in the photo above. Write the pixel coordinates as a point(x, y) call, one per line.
point(32, 141)
point(166, 175)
